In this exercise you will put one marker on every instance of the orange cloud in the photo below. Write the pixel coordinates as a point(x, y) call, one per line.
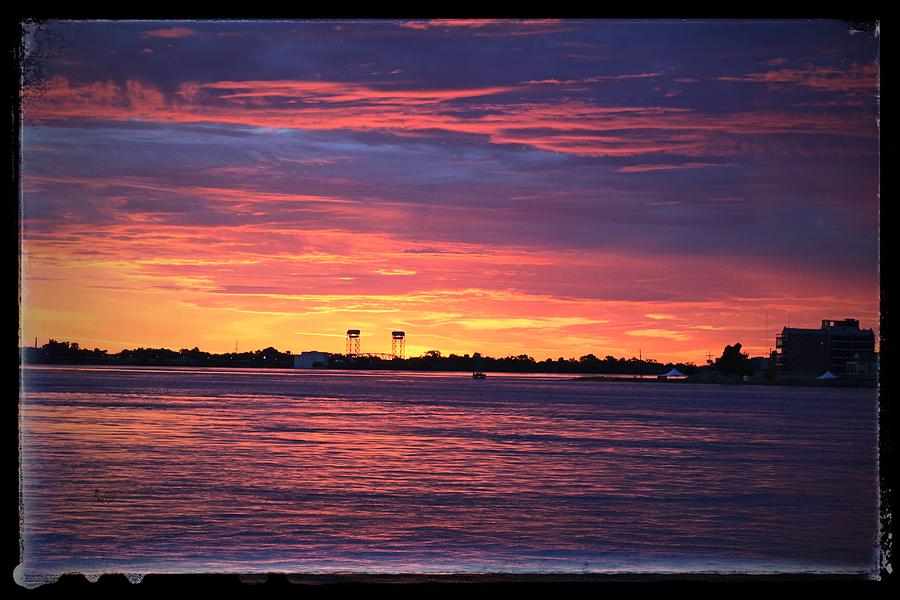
point(211, 285)
point(169, 33)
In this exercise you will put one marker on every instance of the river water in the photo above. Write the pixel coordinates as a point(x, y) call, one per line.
point(156, 470)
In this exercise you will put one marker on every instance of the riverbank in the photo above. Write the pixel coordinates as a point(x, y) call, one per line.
point(785, 381)
point(700, 378)
point(432, 361)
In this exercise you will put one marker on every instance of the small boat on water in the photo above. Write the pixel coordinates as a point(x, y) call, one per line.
point(477, 372)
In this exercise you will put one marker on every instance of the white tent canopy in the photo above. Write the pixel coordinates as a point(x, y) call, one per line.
point(674, 373)
point(827, 375)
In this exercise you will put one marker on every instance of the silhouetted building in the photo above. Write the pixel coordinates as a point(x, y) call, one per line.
point(759, 364)
point(839, 346)
point(311, 360)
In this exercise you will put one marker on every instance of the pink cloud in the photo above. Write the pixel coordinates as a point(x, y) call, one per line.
point(324, 91)
point(575, 127)
point(169, 33)
point(438, 23)
point(491, 27)
point(855, 79)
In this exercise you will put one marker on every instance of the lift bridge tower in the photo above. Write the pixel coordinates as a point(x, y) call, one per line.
point(352, 342)
point(398, 344)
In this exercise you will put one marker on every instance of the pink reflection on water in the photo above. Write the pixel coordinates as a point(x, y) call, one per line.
point(220, 467)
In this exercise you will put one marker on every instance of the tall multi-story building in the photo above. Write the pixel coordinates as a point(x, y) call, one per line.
point(839, 346)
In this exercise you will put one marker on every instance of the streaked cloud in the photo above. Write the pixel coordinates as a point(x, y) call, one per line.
point(577, 127)
point(659, 333)
point(395, 272)
point(438, 23)
point(659, 316)
point(537, 323)
point(511, 27)
point(169, 33)
point(670, 167)
point(856, 78)
point(543, 187)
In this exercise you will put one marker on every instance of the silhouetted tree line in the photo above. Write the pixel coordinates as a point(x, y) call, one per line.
point(432, 360)
point(65, 352)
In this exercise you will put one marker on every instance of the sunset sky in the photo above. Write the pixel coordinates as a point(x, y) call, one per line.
point(550, 188)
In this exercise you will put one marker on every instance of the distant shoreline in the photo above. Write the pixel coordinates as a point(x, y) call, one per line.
point(562, 376)
point(792, 381)
point(432, 361)
point(784, 381)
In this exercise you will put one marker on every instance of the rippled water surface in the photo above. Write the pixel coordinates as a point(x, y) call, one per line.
point(169, 470)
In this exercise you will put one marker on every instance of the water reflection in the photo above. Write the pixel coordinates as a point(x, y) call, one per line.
point(231, 469)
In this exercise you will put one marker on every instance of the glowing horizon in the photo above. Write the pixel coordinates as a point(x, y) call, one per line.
point(550, 188)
